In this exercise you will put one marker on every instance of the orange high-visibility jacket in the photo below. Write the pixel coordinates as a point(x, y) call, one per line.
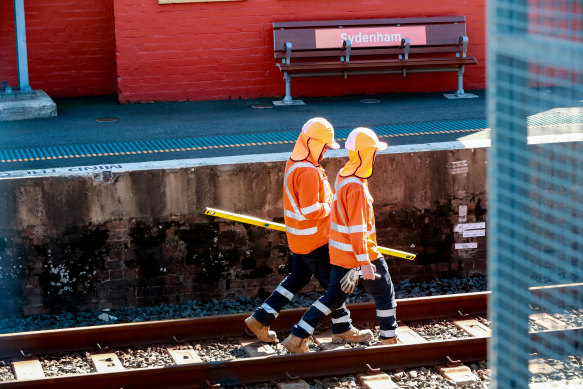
point(307, 200)
point(353, 239)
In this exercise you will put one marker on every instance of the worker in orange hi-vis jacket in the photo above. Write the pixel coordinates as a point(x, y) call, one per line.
point(307, 201)
point(353, 246)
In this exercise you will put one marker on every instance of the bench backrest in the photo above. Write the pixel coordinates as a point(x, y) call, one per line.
point(369, 37)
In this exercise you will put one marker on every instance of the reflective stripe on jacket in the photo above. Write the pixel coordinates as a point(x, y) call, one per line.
point(307, 201)
point(353, 239)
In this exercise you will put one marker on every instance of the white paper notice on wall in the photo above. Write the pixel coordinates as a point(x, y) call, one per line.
point(465, 246)
point(473, 226)
point(463, 213)
point(472, 233)
point(459, 228)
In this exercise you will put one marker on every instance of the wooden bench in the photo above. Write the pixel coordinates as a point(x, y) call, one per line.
point(372, 46)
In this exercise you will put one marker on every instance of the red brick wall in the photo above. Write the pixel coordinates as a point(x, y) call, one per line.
point(8, 70)
point(220, 50)
point(7, 48)
point(71, 46)
point(203, 51)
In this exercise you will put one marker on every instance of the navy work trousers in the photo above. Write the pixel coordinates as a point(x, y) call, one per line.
point(303, 267)
point(381, 289)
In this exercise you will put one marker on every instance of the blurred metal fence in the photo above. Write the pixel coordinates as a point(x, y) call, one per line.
point(535, 173)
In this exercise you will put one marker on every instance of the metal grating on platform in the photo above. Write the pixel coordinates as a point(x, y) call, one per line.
point(262, 139)
point(205, 143)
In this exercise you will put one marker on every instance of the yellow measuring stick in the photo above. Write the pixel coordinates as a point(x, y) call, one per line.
point(281, 227)
point(245, 219)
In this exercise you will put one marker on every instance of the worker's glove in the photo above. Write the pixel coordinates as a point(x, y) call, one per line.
point(349, 281)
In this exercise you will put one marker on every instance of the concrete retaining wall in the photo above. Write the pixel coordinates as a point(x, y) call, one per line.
point(135, 238)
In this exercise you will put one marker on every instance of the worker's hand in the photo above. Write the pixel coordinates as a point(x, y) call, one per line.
point(329, 196)
point(368, 271)
point(327, 209)
point(330, 199)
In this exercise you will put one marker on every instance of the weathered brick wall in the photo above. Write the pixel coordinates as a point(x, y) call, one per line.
point(142, 238)
point(126, 263)
point(71, 46)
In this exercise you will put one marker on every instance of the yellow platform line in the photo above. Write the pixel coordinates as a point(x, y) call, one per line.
point(213, 147)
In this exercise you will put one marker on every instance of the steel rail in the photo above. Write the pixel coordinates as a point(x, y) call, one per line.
point(310, 365)
point(325, 363)
point(562, 292)
point(120, 335)
point(264, 369)
point(557, 343)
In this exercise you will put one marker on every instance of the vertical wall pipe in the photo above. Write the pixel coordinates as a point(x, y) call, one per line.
point(21, 54)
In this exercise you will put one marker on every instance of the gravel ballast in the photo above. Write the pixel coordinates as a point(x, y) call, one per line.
point(403, 289)
point(228, 349)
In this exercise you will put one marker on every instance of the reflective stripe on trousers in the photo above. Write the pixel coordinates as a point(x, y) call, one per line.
point(303, 267)
point(383, 293)
point(380, 289)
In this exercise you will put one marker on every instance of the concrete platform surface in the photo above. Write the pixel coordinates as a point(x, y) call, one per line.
point(101, 120)
point(90, 131)
point(36, 105)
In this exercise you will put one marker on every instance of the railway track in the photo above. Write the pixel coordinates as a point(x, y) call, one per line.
point(188, 370)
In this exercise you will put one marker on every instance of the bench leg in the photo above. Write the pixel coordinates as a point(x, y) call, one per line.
point(460, 82)
point(287, 99)
point(460, 93)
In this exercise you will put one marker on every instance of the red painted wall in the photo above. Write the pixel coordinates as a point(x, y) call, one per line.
point(71, 46)
point(224, 50)
point(8, 70)
point(204, 51)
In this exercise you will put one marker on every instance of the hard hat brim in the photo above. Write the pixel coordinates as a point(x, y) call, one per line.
point(334, 145)
point(382, 145)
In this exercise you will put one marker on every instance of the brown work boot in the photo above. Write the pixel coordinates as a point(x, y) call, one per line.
point(352, 335)
point(262, 332)
point(386, 341)
point(295, 344)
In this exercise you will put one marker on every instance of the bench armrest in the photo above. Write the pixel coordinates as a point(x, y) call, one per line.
point(463, 41)
point(406, 43)
point(347, 45)
point(287, 47)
